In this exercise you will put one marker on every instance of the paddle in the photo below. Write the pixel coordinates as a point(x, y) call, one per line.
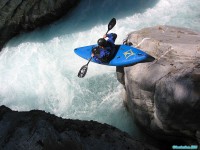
point(82, 72)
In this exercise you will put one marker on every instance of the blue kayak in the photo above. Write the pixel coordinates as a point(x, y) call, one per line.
point(125, 55)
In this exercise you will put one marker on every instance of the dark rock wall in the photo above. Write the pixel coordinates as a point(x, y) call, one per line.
point(37, 130)
point(24, 15)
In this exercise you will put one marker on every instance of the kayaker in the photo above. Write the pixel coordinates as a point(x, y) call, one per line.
point(104, 52)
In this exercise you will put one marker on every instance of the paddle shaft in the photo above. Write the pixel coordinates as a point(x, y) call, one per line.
point(85, 67)
point(91, 57)
point(110, 26)
point(89, 61)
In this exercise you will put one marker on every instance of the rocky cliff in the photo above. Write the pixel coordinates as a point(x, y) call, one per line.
point(164, 95)
point(23, 15)
point(38, 130)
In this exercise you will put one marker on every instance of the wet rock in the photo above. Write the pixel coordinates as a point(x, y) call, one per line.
point(25, 15)
point(38, 130)
point(164, 95)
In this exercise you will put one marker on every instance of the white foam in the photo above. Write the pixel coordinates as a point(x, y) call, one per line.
point(39, 70)
point(183, 13)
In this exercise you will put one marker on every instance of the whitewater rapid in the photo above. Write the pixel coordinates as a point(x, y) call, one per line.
point(38, 70)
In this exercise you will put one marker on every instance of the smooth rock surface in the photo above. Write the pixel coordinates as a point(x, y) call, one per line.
point(164, 95)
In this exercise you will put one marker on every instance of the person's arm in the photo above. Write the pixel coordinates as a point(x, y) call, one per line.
point(111, 37)
point(96, 59)
point(103, 53)
point(94, 50)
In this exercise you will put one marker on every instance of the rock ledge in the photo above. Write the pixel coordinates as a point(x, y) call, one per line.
point(164, 95)
point(37, 130)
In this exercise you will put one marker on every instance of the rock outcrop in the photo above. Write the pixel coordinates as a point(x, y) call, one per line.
point(164, 95)
point(23, 15)
point(38, 130)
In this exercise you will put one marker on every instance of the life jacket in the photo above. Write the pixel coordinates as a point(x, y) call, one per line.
point(103, 54)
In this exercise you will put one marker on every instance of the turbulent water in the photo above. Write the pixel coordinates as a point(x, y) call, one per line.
point(38, 70)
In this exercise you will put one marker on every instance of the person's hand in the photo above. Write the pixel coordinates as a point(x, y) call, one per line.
point(104, 36)
point(92, 55)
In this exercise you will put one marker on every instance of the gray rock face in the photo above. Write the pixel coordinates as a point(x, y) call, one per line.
point(164, 95)
point(23, 15)
point(37, 130)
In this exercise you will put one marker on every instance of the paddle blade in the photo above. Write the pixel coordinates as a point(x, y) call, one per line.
point(82, 72)
point(111, 23)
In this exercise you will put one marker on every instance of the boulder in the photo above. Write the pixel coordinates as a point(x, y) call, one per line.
point(38, 130)
point(24, 15)
point(164, 95)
